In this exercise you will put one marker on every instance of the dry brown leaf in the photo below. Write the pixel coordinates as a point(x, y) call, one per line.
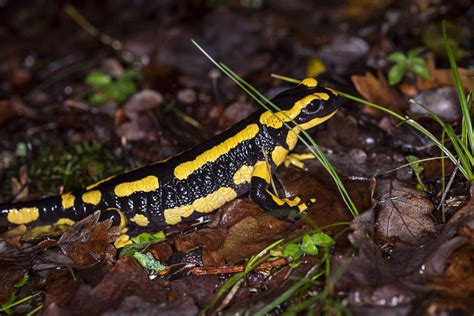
point(440, 77)
point(89, 241)
point(403, 214)
point(377, 90)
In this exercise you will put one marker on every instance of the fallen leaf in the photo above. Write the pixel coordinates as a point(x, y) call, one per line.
point(440, 77)
point(402, 214)
point(89, 241)
point(378, 91)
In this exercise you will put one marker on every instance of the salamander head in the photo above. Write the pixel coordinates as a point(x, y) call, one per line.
point(307, 104)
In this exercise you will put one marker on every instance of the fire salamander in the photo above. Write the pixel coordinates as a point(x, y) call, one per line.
point(197, 181)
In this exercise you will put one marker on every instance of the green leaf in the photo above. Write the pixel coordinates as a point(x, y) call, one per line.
point(292, 250)
point(98, 99)
point(414, 164)
point(121, 89)
point(396, 73)
point(149, 262)
point(22, 281)
point(415, 52)
point(308, 246)
point(98, 79)
point(397, 57)
point(418, 61)
point(322, 239)
point(420, 70)
point(142, 241)
point(147, 237)
point(21, 150)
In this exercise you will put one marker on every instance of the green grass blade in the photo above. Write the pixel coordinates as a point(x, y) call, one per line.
point(300, 285)
point(467, 132)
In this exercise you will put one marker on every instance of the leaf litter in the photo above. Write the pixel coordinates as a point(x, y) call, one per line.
point(399, 257)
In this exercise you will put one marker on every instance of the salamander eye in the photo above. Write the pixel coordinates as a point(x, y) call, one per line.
point(313, 106)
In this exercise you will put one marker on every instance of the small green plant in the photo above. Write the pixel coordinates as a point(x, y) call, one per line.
point(12, 301)
point(307, 246)
point(405, 63)
point(417, 168)
point(148, 262)
point(142, 241)
point(105, 88)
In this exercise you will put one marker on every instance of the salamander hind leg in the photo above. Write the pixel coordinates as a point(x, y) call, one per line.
point(286, 208)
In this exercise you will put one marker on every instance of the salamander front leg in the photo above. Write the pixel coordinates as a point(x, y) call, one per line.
point(286, 209)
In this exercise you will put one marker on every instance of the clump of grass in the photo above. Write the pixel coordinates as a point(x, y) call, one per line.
point(72, 168)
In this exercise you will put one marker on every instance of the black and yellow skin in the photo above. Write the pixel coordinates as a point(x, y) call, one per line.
point(200, 180)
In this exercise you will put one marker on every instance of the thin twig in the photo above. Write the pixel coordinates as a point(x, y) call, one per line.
point(445, 193)
point(409, 164)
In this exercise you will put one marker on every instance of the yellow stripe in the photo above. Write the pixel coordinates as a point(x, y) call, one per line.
point(243, 175)
point(183, 170)
point(277, 119)
point(98, 182)
point(146, 184)
point(205, 204)
point(316, 121)
point(261, 171)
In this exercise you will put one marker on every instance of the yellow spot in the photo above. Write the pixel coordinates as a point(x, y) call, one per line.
point(67, 200)
point(122, 241)
point(243, 175)
point(302, 207)
point(277, 119)
point(99, 182)
point(315, 67)
point(310, 82)
point(140, 220)
point(183, 170)
point(279, 154)
point(64, 221)
point(261, 171)
point(24, 215)
point(92, 197)
point(292, 138)
point(315, 121)
point(146, 184)
point(207, 204)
